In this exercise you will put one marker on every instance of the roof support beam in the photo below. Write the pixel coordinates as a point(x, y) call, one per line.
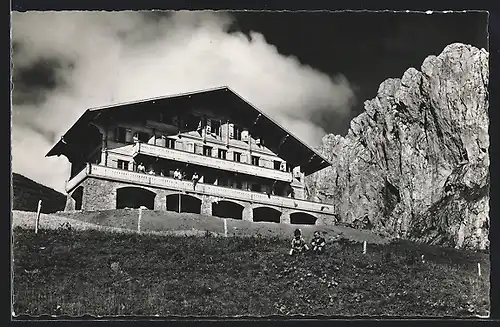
point(251, 129)
point(283, 140)
point(256, 120)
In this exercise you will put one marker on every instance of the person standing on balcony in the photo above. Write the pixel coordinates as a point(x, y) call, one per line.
point(141, 168)
point(299, 245)
point(177, 174)
point(195, 179)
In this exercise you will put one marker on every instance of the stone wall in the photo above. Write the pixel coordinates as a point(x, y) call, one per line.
point(100, 194)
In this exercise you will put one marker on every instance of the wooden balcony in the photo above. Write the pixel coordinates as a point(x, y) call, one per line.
point(127, 176)
point(201, 160)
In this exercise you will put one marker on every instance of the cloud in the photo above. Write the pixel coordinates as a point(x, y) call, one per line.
point(98, 58)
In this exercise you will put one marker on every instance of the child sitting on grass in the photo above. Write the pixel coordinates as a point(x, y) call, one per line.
point(318, 243)
point(298, 243)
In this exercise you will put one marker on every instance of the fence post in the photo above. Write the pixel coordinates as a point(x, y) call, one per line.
point(179, 203)
point(37, 221)
point(364, 247)
point(139, 220)
point(225, 227)
point(479, 269)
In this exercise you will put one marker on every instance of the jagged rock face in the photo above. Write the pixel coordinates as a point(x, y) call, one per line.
point(416, 161)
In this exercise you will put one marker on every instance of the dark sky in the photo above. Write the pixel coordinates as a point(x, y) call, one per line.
point(366, 47)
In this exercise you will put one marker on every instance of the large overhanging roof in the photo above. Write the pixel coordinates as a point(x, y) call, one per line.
point(225, 102)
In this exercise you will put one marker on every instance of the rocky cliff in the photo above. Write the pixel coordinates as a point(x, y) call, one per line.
point(416, 163)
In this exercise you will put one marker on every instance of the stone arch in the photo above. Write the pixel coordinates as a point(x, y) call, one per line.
point(266, 214)
point(188, 203)
point(227, 209)
point(303, 218)
point(77, 195)
point(134, 197)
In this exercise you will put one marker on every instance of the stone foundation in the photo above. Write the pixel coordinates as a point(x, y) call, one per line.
point(100, 194)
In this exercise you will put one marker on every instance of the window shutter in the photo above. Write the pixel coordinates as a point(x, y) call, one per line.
point(161, 141)
point(179, 145)
point(244, 135)
point(283, 166)
point(190, 147)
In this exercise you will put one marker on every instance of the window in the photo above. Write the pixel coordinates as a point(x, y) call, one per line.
point(222, 153)
point(120, 134)
point(255, 160)
point(142, 137)
point(122, 164)
point(237, 132)
point(215, 129)
point(207, 151)
point(256, 187)
point(288, 168)
point(277, 164)
point(170, 144)
point(129, 136)
point(237, 156)
point(198, 149)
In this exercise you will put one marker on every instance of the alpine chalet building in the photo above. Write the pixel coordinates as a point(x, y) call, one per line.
point(145, 153)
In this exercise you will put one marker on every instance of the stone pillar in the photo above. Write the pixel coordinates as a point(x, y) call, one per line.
point(70, 203)
point(206, 205)
point(298, 191)
point(323, 220)
point(160, 202)
point(104, 157)
point(285, 216)
point(247, 214)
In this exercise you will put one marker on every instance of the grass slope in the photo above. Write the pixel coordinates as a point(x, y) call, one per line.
point(189, 223)
point(71, 272)
point(27, 192)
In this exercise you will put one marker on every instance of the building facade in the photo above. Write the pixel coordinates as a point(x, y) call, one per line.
point(146, 154)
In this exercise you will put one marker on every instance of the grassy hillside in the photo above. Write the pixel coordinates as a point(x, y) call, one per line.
point(27, 193)
point(167, 221)
point(73, 272)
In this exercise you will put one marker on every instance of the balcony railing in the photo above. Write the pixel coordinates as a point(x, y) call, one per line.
point(217, 163)
point(207, 189)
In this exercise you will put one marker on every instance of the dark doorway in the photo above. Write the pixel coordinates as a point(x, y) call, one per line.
point(134, 197)
point(266, 214)
point(187, 203)
point(78, 197)
point(227, 209)
point(302, 218)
